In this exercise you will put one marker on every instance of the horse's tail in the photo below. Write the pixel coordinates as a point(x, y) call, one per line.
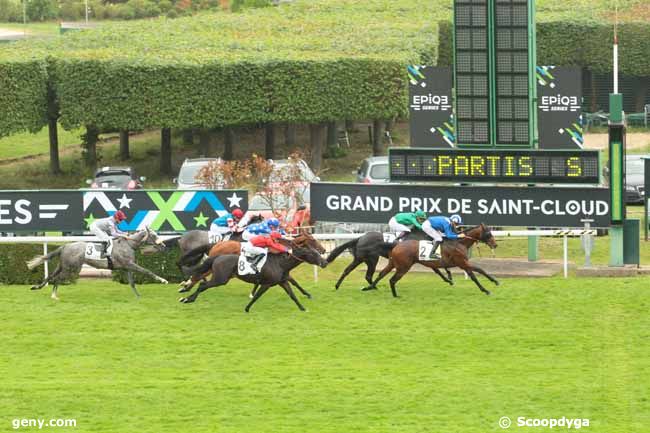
point(201, 268)
point(338, 250)
point(386, 247)
point(191, 257)
point(38, 260)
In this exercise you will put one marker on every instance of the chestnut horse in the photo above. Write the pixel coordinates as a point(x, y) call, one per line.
point(304, 239)
point(454, 254)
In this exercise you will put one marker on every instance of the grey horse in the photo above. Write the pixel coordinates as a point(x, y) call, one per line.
point(72, 257)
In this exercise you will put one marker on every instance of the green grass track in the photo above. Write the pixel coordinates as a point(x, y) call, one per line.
point(437, 359)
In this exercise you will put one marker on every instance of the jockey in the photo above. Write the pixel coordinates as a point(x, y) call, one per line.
point(106, 229)
point(403, 223)
point(227, 223)
point(257, 247)
point(264, 228)
point(439, 227)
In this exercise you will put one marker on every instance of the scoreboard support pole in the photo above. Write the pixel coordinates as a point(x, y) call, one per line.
point(616, 178)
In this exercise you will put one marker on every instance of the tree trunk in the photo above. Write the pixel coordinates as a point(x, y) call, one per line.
point(290, 135)
point(166, 151)
point(90, 144)
point(188, 137)
point(55, 167)
point(317, 135)
point(204, 141)
point(124, 145)
point(269, 148)
point(230, 140)
point(378, 147)
point(350, 126)
point(332, 137)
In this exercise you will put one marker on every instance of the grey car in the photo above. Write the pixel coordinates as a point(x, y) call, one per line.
point(373, 170)
point(634, 178)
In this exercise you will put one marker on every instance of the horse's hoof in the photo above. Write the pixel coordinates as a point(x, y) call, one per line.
point(365, 289)
point(246, 310)
point(183, 290)
point(163, 281)
point(308, 296)
point(182, 300)
point(496, 283)
point(34, 288)
point(488, 293)
point(250, 296)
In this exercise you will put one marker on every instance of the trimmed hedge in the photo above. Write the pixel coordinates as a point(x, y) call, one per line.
point(586, 44)
point(162, 264)
point(23, 96)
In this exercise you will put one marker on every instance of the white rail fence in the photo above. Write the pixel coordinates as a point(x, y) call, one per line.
point(565, 234)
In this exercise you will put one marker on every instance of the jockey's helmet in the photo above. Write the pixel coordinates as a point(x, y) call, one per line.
point(456, 219)
point(237, 213)
point(119, 216)
point(420, 215)
point(273, 222)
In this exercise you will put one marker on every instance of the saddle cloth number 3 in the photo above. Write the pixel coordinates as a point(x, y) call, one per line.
point(94, 252)
point(425, 250)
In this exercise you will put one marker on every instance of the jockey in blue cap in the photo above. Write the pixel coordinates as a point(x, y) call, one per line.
point(264, 228)
point(439, 227)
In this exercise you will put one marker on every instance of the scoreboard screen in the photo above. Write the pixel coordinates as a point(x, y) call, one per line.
point(512, 166)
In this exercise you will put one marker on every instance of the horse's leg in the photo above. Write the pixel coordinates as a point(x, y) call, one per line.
point(451, 280)
point(372, 265)
point(257, 296)
point(485, 274)
point(132, 266)
point(252, 293)
point(389, 267)
point(55, 291)
point(186, 286)
point(297, 286)
point(399, 273)
point(215, 281)
point(287, 288)
point(445, 279)
point(468, 269)
point(356, 262)
point(129, 275)
point(53, 275)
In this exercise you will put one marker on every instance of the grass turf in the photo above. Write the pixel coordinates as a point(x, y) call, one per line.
point(438, 358)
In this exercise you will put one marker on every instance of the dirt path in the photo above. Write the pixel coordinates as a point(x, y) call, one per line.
point(634, 140)
point(10, 33)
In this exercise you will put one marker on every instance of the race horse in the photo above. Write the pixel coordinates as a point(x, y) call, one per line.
point(303, 239)
point(275, 271)
point(454, 254)
point(368, 248)
point(73, 255)
point(198, 240)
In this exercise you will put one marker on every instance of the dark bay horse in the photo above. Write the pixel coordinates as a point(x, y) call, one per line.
point(275, 271)
point(368, 248)
point(454, 254)
point(303, 239)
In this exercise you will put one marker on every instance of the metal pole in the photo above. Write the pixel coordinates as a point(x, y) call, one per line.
point(86, 2)
point(587, 241)
point(315, 274)
point(46, 270)
point(566, 256)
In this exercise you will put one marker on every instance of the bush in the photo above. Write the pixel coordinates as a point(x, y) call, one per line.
point(162, 264)
point(12, 262)
point(10, 10)
point(41, 10)
point(125, 12)
point(71, 10)
point(238, 5)
point(165, 6)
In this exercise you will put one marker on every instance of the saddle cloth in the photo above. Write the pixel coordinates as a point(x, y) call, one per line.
point(213, 238)
point(94, 251)
point(244, 266)
point(390, 237)
point(424, 250)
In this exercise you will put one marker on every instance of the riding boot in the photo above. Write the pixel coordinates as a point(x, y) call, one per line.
point(108, 250)
point(433, 255)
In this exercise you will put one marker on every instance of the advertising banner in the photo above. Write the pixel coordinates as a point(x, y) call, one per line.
point(430, 108)
point(493, 205)
point(559, 112)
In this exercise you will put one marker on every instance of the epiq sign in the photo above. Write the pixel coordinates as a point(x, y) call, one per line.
point(513, 166)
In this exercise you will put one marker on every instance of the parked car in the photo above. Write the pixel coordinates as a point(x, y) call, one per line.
point(189, 170)
point(307, 174)
point(116, 178)
point(373, 170)
point(634, 178)
point(292, 213)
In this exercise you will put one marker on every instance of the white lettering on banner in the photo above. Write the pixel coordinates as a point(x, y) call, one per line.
point(20, 207)
point(360, 203)
point(426, 204)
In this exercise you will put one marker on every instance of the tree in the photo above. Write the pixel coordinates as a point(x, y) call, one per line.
point(41, 10)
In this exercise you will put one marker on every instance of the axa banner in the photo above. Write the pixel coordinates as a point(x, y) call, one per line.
point(167, 211)
point(559, 112)
point(430, 107)
point(493, 205)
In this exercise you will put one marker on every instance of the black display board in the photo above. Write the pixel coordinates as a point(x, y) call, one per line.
point(430, 108)
point(559, 111)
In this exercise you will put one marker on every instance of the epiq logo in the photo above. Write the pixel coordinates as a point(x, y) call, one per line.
point(559, 103)
point(430, 102)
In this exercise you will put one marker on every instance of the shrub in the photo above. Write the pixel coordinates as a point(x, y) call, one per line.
point(41, 10)
point(125, 12)
point(238, 5)
point(71, 10)
point(165, 6)
point(10, 10)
